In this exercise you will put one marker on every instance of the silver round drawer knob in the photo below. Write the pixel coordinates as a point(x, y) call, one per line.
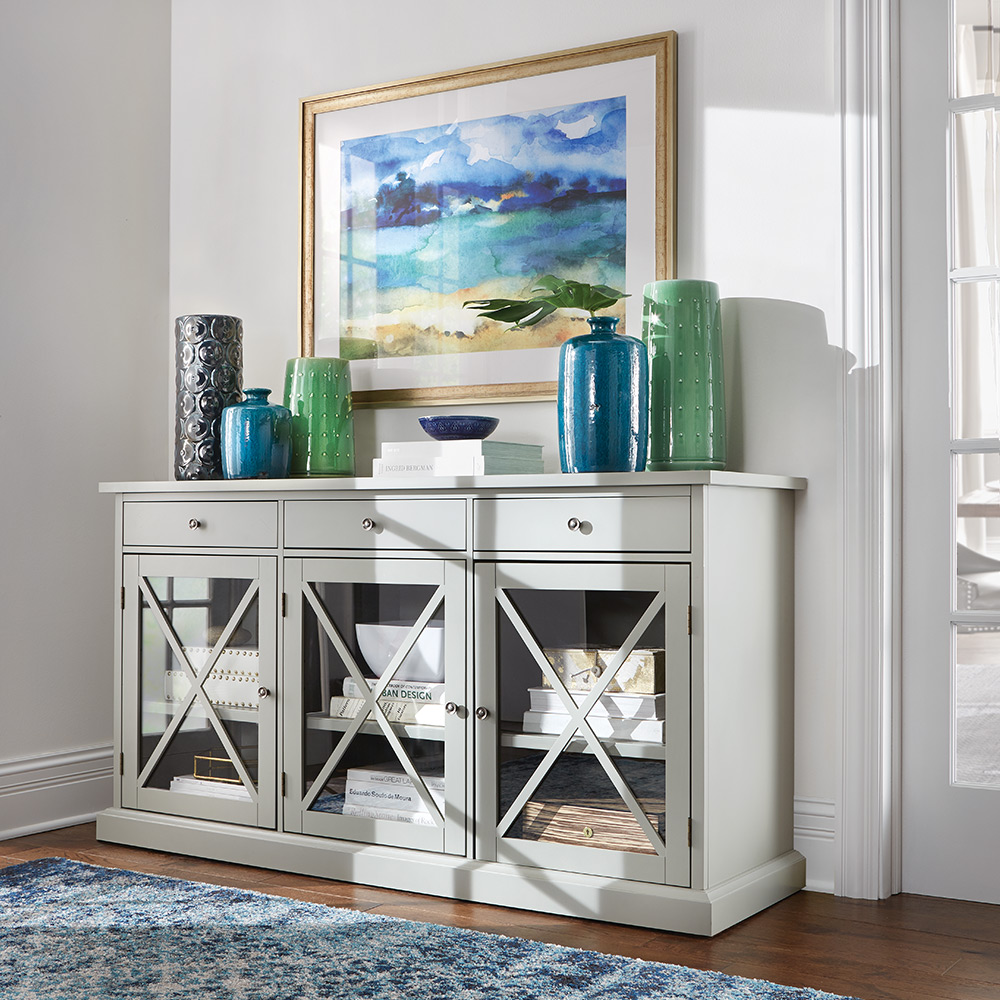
point(482, 713)
point(194, 524)
point(262, 692)
point(573, 524)
point(451, 708)
point(368, 524)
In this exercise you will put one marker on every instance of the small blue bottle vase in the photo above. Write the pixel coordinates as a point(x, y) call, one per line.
point(603, 400)
point(256, 438)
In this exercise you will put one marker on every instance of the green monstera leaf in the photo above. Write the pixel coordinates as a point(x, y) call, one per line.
point(554, 293)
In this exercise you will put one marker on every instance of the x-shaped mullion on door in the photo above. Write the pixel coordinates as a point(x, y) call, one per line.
point(578, 718)
point(196, 682)
point(370, 697)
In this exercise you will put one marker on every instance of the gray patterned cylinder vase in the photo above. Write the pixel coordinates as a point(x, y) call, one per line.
point(209, 378)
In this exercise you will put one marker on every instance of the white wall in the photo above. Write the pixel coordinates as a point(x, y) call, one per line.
point(759, 212)
point(84, 101)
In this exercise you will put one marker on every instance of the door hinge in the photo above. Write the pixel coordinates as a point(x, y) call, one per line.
point(689, 619)
point(689, 831)
point(121, 764)
point(123, 598)
point(284, 605)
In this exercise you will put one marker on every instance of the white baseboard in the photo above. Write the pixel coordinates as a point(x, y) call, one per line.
point(815, 833)
point(52, 790)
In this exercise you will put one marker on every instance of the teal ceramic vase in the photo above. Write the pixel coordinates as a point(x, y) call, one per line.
point(603, 405)
point(318, 392)
point(256, 438)
point(682, 330)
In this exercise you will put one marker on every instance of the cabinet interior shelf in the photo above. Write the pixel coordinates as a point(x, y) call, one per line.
point(227, 713)
point(320, 720)
point(512, 736)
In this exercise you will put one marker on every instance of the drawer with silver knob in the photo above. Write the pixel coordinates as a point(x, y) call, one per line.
point(431, 525)
point(583, 524)
point(196, 523)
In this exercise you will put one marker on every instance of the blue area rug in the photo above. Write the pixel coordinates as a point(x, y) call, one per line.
point(73, 930)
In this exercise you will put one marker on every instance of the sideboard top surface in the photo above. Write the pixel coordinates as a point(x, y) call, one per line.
point(463, 484)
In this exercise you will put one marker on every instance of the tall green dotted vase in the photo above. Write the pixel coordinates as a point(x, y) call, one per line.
point(318, 392)
point(682, 329)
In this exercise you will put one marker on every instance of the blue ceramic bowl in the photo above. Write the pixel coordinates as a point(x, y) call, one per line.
point(459, 428)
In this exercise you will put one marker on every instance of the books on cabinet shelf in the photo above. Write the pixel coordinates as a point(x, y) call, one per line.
point(398, 815)
point(191, 785)
point(420, 692)
point(642, 730)
point(457, 458)
point(414, 702)
point(407, 712)
point(617, 705)
point(388, 793)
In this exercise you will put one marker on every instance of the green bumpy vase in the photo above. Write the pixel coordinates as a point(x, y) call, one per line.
point(682, 330)
point(318, 392)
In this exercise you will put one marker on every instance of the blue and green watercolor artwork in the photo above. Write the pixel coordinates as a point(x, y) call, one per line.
point(433, 217)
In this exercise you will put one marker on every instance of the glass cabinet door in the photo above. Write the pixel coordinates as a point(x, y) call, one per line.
point(198, 687)
point(375, 713)
point(584, 698)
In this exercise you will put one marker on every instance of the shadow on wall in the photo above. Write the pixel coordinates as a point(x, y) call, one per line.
point(784, 389)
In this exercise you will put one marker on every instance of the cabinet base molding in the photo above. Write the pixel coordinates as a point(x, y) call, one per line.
point(640, 904)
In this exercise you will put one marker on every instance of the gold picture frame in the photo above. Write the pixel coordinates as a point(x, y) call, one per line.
point(624, 92)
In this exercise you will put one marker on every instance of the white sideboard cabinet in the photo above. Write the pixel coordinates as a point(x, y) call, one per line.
point(563, 693)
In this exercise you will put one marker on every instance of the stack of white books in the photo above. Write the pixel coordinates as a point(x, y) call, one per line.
point(623, 716)
point(191, 785)
point(386, 793)
point(415, 702)
point(457, 458)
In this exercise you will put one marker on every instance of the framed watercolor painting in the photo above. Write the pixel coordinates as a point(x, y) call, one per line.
point(420, 195)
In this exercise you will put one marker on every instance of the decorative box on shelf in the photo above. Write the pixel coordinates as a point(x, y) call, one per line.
point(232, 683)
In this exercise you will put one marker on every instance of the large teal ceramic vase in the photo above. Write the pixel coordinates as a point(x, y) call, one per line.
point(682, 329)
point(256, 438)
point(603, 403)
point(318, 392)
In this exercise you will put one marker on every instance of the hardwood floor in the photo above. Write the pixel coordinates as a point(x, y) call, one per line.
point(903, 948)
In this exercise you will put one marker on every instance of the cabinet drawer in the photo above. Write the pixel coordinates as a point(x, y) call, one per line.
point(375, 524)
point(184, 523)
point(584, 524)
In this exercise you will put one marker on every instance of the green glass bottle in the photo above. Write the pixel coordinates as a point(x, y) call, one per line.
point(682, 330)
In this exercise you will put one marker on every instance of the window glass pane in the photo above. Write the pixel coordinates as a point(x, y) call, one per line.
point(977, 705)
point(974, 195)
point(974, 47)
point(995, 43)
point(976, 368)
point(191, 588)
point(977, 531)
